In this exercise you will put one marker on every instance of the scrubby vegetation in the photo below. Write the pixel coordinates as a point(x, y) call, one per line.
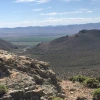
point(80, 79)
point(91, 82)
point(88, 82)
point(98, 78)
point(96, 94)
point(3, 90)
point(86, 88)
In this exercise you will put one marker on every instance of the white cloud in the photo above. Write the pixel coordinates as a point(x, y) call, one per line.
point(39, 9)
point(52, 21)
point(37, 1)
point(19, 1)
point(64, 13)
point(42, 1)
point(71, 0)
point(50, 14)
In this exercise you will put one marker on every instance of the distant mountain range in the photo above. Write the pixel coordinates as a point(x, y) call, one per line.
point(46, 30)
point(85, 40)
point(79, 52)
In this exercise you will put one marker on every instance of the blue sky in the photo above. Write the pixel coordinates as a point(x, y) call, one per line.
point(17, 13)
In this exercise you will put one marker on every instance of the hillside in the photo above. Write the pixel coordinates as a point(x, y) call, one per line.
point(23, 78)
point(27, 79)
point(5, 45)
point(71, 55)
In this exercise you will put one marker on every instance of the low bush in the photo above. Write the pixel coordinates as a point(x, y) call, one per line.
point(80, 79)
point(73, 79)
point(91, 82)
point(3, 90)
point(98, 78)
point(96, 94)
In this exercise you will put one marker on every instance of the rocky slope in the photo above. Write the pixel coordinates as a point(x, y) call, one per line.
point(74, 91)
point(27, 79)
point(5, 45)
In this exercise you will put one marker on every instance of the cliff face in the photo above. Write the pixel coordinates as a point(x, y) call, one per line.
point(27, 79)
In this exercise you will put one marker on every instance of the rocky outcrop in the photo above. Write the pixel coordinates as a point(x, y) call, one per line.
point(27, 79)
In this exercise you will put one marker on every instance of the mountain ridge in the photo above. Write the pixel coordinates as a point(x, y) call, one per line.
point(84, 36)
point(71, 55)
point(47, 30)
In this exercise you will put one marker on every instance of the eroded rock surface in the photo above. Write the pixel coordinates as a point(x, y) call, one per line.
point(26, 78)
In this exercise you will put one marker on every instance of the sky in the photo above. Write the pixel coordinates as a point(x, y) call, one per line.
point(22, 13)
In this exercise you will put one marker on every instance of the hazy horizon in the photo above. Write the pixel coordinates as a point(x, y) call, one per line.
point(49, 25)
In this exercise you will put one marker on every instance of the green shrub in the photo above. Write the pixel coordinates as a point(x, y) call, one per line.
point(91, 82)
point(73, 79)
point(81, 79)
point(98, 78)
point(96, 94)
point(78, 78)
point(3, 90)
